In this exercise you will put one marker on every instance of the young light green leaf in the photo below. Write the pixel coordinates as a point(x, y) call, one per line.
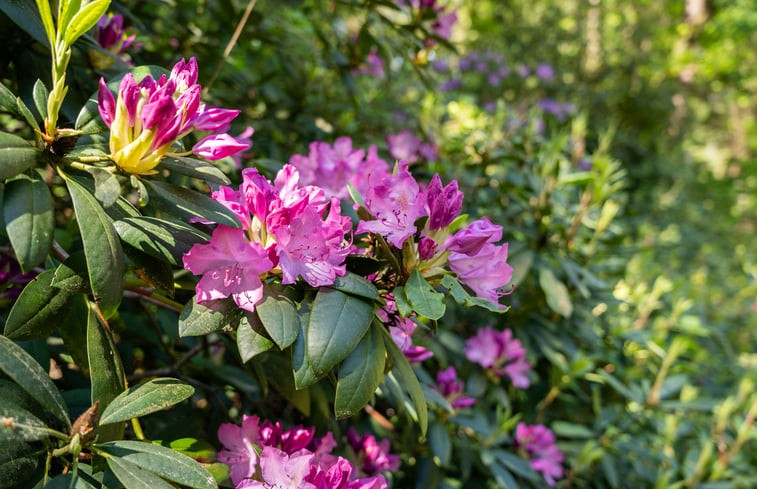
point(102, 248)
point(66, 11)
point(37, 310)
point(163, 461)
point(407, 379)
point(250, 341)
point(20, 367)
point(16, 155)
point(185, 204)
point(165, 240)
point(84, 20)
point(359, 374)
point(337, 324)
point(40, 95)
point(148, 397)
point(423, 298)
point(558, 298)
point(29, 220)
point(133, 477)
point(47, 22)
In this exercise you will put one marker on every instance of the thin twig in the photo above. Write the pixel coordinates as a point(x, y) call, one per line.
point(231, 44)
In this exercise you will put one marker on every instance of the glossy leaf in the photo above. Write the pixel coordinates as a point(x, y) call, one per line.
point(197, 319)
point(166, 240)
point(23, 425)
point(360, 374)
point(278, 315)
point(84, 20)
point(148, 397)
point(186, 204)
point(16, 155)
point(337, 324)
point(155, 272)
point(356, 285)
point(29, 220)
point(423, 298)
point(105, 370)
point(71, 275)
point(102, 248)
point(20, 367)
point(194, 168)
point(163, 461)
point(7, 99)
point(37, 310)
point(18, 464)
point(303, 374)
point(133, 477)
point(25, 14)
point(558, 298)
point(250, 341)
point(73, 331)
point(462, 296)
point(407, 380)
point(27, 114)
point(107, 187)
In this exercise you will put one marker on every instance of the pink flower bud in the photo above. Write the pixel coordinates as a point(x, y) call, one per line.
point(217, 146)
point(214, 119)
point(106, 103)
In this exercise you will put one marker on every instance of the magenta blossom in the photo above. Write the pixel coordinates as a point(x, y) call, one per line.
point(452, 389)
point(406, 146)
point(279, 469)
point(373, 456)
point(499, 352)
point(373, 65)
point(112, 37)
point(538, 444)
point(444, 203)
point(402, 330)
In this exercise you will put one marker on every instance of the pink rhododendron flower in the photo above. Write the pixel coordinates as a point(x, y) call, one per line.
point(239, 444)
point(112, 37)
point(148, 116)
point(444, 203)
point(395, 203)
point(485, 273)
point(452, 389)
point(373, 456)
point(538, 443)
point(500, 353)
point(442, 27)
point(406, 146)
point(281, 470)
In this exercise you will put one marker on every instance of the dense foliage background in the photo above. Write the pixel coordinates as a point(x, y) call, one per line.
point(613, 140)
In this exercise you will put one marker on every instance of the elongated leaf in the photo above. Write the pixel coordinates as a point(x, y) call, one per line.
point(107, 187)
point(102, 248)
point(303, 375)
point(356, 285)
point(71, 275)
point(73, 331)
point(516, 464)
point(250, 341)
point(407, 379)
point(194, 168)
point(149, 397)
point(18, 463)
point(423, 298)
point(20, 367)
point(68, 481)
point(23, 425)
point(37, 310)
point(197, 319)
point(438, 440)
point(27, 114)
point(28, 214)
point(279, 316)
point(462, 296)
point(66, 11)
point(40, 95)
point(166, 240)
point(155, 272)
point(105, 370)
point(337, 324)
point(7, 100)
point(16, 155)
point(557, 294)
point(84, 20)
point(163, 461)
point(359, 374)
point(400, 300)
point(133, 477)
point(185, 204)
point(25, 14)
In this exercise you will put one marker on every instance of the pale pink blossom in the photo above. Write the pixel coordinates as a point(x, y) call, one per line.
point(538, 443)
point(501, 353)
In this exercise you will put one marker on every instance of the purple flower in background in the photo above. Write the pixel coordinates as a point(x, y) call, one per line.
point(538, 443)
point(451, 389)
point(451, 84)
point(373, 65)
point(560, 110)
point(499, 352)
point(523, 70)
point(112, 37)
point(584, 163)
point(406, 146)
point(442, 27)
point(545, 72)
point(12, 280)
point(373, 457)
point(440, 65)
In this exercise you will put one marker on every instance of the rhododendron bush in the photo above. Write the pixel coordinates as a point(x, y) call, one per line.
point(262, 245)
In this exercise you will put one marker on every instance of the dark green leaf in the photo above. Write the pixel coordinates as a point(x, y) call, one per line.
point(102, 248)
point(7, 99)
point(557, 294)
point(71, 275)
point(185, 204)
point(107, 187)
point(133, 477)
point(23, 425)
point(17, 464)
point(504, 478)
point(197, 319)
point(20, 367)
point(157, 273)
point(105, 370)
point(407, 379)
point(441, 446)
point(360, 373)
point(250, 341)
point(517, 464)
point(303, 374)
point(73, 331)
point(37, 310)
point(40, 94)
point(356, 285)
point(16, 155)
point(337, 324)
point(462, 296)
point(194, 168)
point(26, 114)
point(29, 220)
point(423, 298)
point(148, 397)
point(163, 461)
point(166, 240)
point(565, 429)
point(278, 368)
point(278, 315)
point(25, 14)
point(68, 481)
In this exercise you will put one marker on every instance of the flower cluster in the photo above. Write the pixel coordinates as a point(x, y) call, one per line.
point(373, 456)
point(112, 37)
point(538, 444)
point(499, 352)
point(286, 230)
point(334, 166)
point(451, 389)
point(150, 115)
point(264, 455)
point(406, 146)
